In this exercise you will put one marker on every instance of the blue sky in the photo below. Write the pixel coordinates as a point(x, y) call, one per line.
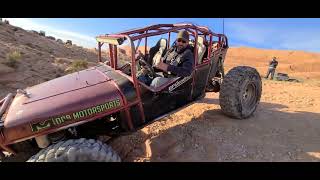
point(268, 33)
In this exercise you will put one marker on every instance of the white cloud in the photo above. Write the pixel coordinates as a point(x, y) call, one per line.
point(249, 33)
point(275, 36)
point(241, 32)
point(304, 39)
point(77, 38)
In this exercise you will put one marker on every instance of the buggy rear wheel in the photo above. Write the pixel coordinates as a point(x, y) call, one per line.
point(240, 92)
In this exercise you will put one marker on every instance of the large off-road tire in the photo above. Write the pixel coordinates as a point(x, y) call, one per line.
point(77, 150)
point(240, 92)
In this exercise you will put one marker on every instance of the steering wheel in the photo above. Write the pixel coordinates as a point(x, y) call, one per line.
point(148, 67)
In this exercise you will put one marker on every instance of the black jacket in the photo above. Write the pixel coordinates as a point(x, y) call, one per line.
point(180, 63)
point(273, 64)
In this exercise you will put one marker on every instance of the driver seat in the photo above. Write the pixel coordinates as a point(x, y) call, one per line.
point(158, 51)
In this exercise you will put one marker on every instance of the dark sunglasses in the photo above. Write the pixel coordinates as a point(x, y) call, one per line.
point(181, 40)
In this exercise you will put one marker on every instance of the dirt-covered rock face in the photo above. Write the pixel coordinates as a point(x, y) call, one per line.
point(39, 58)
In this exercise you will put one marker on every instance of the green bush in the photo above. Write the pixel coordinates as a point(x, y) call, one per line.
point(13, 58)
point(77, 65)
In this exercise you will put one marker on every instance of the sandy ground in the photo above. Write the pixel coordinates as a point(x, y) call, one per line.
point(285, 127)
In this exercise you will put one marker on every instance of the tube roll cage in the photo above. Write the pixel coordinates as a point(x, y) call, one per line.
point(138, 34)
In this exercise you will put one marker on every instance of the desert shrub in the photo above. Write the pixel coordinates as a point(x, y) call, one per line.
point(42, 33)
point(59, 61)
point(12, 58)
point(77, 65)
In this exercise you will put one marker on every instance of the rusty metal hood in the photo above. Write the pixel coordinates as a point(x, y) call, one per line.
point(63, 95)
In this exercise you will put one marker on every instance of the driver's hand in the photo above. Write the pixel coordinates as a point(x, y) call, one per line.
point(137, 56)
point(162, 66)
point(144, 70)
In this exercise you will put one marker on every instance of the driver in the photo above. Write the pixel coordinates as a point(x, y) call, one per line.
point(177, 62)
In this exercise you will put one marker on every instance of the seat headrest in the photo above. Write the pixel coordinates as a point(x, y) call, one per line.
point(162, 46)
point(201, 48)
point(200, 40)
point(163, 43)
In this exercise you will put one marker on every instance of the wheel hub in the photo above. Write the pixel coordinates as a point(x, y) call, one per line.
point(245, 94)
point(249, 95)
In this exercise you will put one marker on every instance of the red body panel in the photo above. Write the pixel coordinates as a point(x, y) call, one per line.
point(61, 96)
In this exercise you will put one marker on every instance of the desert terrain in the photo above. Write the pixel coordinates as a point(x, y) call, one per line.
point(285, 127)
